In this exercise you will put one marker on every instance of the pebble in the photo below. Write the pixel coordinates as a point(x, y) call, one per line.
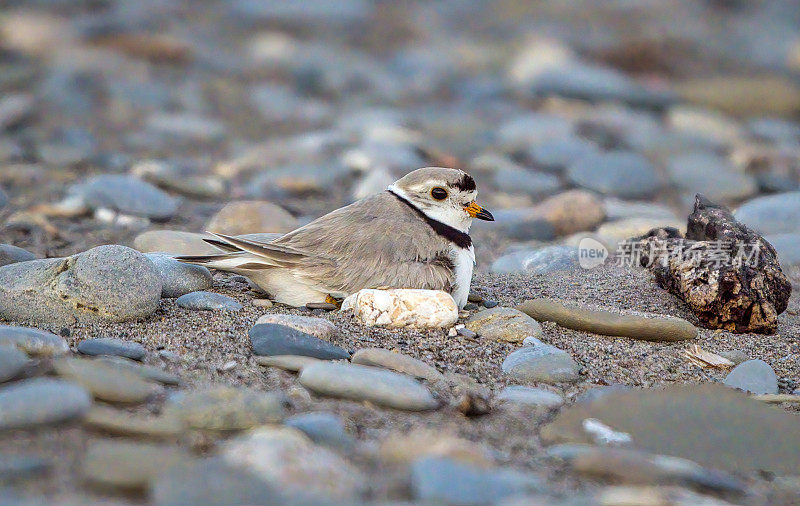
point(10, 254)
point(321, 306)
point(445, 481)
point(12, 362)
point(107, 283)
point(33, 341)
point(180, 177)
point(362, 383)
point(263, 303)
point(403, 308)
point(711, 175)
point(545, 260)
point(41, 401)
point(598, 392)
point(178, 278)
point(122, 423)
point(714, 128)
point(317, 327)
point(112, 346)
point(251, 216)
point(406, 447)
point(558, 154)
point(128, 466)
point(185, 127)
point(465, 332)
point(529, 396)
point(273, 339)
point(620, 173)
point(520, 180)
point(173, 242)
point(286, 457)
point(626, 495)
point(323, 428)
point(379, 357)
point(771, 214)
point(787, 246)
point(530, 129)
point(504, 324)
point(541, 363)
point(293, 363)
point(227, 408)
point(608, 322)
point(572, 211)
point(208, 301)
point(105, 382)
point(754, 376)
point(735, 356)
point(126, 195)
point(148, 372)
point(16, 468)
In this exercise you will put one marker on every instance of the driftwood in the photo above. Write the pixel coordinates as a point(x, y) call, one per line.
point(727, 274)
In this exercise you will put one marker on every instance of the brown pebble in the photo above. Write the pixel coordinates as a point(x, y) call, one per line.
point(265, 303)
point(326, 306)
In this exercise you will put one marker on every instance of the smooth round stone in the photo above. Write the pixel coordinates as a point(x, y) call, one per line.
point(285, 456)
point(617, 209)
point(735, 356)
point(112, 346)
point(572, 211)
point(212, 482)
point(598, 392)
point(227, 408)
point(405, 447)
point(558, 154)
point(774, 129)
point(620, 173)
point(439, 480)
point(379, 357)
point(14, 468)
point(772, 214)
point(272, 339)
point(122, 423)
point(711, 175)
point(754, 376)
point(10, 254)
point(322, 428)
point(296, 180)
point(504, 324)
point(41, 401)
point(12, 362)
point(528, 396)
point(292, 363)
point(178, 278)
point(148, 372)
point(33, 341)
point(251, 216)
point(787, 246)
point(539, 261)
point(128, 466)
point(544, 363)
point(520, 180)
point(317, 327)
point(173, 242)
point(776, 183)
point(105, 382)
point(208, 301)
point(362, 383)
point(126, 195)
point(185, 127)
point(527, 229)
point(180, 177)
point(530, 129)
point(342, 12)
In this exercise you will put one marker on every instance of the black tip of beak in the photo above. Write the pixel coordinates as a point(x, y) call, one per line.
point(485, 215)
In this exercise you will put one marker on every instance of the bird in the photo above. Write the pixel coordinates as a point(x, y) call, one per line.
point(414, 234)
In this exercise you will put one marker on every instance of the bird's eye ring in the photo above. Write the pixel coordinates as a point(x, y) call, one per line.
point(439, 193)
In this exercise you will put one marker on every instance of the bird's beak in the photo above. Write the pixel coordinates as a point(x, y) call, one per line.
point(477, 211)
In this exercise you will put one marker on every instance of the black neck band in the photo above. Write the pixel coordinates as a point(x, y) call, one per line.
point(457, 237)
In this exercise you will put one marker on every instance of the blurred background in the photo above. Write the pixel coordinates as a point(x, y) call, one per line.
point(573, 116)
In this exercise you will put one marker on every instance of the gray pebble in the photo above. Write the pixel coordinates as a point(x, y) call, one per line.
point(529, 396)
point(323, 428)
point(178, 278)
point(754, 376)
point(126, 195)
point(33, 341)
point(11, 254)
point(272, 339)
point(41, 401)
point(620, 173)
point(539, 261)
point(112, 346)
point(772, 214)
point(544, 363)
point(208, 301)
point(12, 362)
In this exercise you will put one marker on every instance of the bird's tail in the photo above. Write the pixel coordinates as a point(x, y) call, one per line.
point(243, 254)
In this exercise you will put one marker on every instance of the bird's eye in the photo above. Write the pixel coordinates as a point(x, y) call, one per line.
point(439, 193)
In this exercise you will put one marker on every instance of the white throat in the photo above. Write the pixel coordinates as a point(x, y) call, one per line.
point(448, 215)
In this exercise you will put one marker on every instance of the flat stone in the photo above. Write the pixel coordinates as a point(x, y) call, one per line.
point(362, 383)
point(317, 327)
point(107, 283)
point(771, 214)
point(227, 408)
point(406, 447)
point(572, 211)
point(735, 356)
point(286, 457)
point(529, 396)
point(379, 357)
point(178, 278)
point(208, 301)
point(403, 308)
point(174, 242)
point(710, 174)
point(272, 339)
point(787, 246)
point(521, 180)
point(33, 341)
point(250, 217)
point(128, 466)
point(112, 346)
point(504, 324)
point(104, 382)
point(754, 376)
point(41, 401)
point(598, 392)
point(123, 423)
point(543, 363)
point(182, 177)
point(531, 129)
point(558, 154)
point(148, 372)
point(292, 363)
point(15, 468)
point(12, 362)
point(442, 480)
point(126, 195)
point(10, 254)
point(538, 261)
point(185, 127)
point(620, 173)
point(323, 428)
point(748, 436)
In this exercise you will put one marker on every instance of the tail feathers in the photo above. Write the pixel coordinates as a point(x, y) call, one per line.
point(279, 256)
point(228, 261)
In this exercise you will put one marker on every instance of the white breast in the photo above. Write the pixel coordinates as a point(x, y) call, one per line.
point(464, 261)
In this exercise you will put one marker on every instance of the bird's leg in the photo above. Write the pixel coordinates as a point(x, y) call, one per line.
point(332, 300)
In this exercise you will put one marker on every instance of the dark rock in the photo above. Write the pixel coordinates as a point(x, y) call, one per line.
point(272, 339)
point(723, 257)
point(11, 254)
point(111, 346)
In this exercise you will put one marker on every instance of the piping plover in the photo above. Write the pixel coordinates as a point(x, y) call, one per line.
point(415, 234)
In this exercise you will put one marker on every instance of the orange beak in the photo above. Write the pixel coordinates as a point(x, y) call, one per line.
point(477, 211)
